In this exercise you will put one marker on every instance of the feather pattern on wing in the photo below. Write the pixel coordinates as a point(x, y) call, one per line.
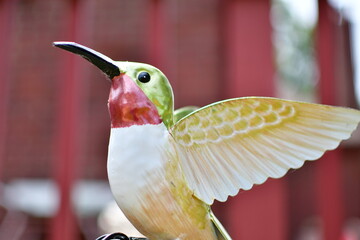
point(234, 144)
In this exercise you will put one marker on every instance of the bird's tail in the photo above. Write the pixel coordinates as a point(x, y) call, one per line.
point(219, 229)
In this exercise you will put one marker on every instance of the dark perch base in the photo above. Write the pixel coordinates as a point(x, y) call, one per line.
point(118, 236)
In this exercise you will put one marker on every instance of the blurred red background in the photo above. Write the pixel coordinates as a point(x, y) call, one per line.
point(54, 124)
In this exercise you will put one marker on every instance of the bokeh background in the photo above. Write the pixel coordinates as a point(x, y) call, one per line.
point(54, 124)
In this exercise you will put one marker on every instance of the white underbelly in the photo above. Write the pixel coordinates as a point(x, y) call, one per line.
point(136, 170)
point(137, 160)
point(136, 157)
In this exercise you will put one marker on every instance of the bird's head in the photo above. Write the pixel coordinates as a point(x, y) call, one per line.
point(140, 93)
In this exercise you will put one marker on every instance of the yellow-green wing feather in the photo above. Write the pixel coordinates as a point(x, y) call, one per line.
point(183, 112)
point(234, 144)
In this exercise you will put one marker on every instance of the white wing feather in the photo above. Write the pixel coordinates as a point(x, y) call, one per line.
point(237, 143)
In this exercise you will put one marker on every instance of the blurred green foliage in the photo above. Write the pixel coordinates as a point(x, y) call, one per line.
point(294, 54)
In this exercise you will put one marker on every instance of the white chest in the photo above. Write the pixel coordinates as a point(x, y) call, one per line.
point(135, 154)
point(137, 160)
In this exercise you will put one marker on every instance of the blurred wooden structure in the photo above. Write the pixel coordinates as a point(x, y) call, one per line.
point(53, 117)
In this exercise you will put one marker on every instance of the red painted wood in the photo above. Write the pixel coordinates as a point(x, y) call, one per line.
point(326, 52)
point(160, 37)
point(248, 48)
point(157, 39)
point(260, 213)
point(329, 168)
point(6, 11)
point(329, 198)
point(68, 152)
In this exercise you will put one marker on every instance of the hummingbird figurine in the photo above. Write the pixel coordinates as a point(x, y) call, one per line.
point(167, 167)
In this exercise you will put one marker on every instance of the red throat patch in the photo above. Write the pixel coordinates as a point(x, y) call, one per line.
point(128, 104)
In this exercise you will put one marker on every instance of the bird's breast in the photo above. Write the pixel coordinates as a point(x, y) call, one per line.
point(137, 154)
point(148, 184)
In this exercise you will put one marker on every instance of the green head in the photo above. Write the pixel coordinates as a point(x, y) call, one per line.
point(139, 94)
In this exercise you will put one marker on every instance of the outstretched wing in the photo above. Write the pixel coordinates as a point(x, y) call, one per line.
point(234, 144)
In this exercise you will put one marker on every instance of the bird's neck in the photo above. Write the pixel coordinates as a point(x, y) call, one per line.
point(128, 105)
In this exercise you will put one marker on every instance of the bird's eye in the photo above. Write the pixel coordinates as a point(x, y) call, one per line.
point(144, 77)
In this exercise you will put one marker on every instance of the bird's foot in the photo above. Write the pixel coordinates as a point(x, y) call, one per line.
point(118, 236)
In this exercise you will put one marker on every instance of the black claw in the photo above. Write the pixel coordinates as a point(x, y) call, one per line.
point(101, 237)
point(118, 236)
point(113, 236)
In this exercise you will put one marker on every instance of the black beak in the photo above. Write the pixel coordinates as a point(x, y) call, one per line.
point(104, 63)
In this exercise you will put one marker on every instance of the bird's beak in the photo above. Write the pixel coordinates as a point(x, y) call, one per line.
point(104, 63)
